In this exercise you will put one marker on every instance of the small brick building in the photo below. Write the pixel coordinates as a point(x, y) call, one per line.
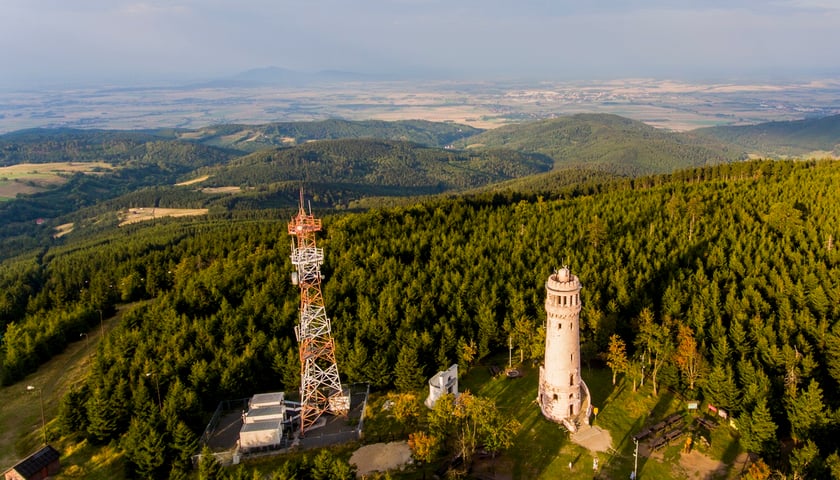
point(42, 464)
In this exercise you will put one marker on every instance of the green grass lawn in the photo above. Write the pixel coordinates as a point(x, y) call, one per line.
point(543, 449)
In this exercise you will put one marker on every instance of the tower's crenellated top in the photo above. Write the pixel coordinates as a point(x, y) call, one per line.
point(562, 280)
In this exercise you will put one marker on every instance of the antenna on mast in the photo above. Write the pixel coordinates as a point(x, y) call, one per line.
point(320, 386)
point(300, 202)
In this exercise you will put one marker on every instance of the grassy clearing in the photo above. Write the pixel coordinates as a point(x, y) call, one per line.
point(21, 430)
point(30, 178)
point(82, 460)
point(63, 230)
point(135, 215)
point(23, 170)
point(544, 450)
point(193, 181)
point(229, 189)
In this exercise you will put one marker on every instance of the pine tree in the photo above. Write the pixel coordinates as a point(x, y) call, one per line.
point(208, 467)
point(757, 428)
point(71, 411)
point(805, 461)
point(805, 411)
point(102, 421)
point(322, 465)
point(145, 449)
point(184, 446)
point(408, 374)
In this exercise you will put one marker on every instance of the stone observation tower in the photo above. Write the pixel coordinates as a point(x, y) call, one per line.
point(563, 397)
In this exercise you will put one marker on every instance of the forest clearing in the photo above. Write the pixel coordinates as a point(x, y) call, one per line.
point(28, 178)
point(135, 215)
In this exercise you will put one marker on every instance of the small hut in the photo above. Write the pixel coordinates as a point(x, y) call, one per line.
point(42, 464)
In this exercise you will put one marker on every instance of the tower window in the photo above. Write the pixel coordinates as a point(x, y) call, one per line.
point(571, 381)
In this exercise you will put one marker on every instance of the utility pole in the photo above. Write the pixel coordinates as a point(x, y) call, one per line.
point(157, 388)
point(635, 459)
point(43, 418)
point(510, 353)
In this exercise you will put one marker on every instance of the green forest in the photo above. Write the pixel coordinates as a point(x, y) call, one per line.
point(734, 266)
point(791, 138)
point(609, 143)
point(704, 275)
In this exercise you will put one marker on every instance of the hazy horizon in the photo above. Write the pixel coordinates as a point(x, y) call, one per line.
point(52, 43)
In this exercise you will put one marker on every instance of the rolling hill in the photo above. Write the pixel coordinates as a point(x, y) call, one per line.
point(374, 163)
point(791, 138)
point(606, 142)
point(250, 138)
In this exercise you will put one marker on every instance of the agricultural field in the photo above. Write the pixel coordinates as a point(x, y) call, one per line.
point(28, 178)
point(135, 215)
point(672, 105)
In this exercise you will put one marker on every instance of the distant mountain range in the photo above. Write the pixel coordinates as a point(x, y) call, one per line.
point(277, 76)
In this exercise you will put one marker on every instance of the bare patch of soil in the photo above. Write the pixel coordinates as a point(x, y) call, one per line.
point(593, 438)
point(134, 215)
point(193, 181)
point(63, 230)
point(381, 457)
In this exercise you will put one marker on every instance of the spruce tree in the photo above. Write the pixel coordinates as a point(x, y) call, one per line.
point(408, 374)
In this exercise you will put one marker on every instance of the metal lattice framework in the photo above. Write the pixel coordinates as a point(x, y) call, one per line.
point(320, 386)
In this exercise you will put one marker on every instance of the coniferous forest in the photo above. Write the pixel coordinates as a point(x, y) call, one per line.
point(726, 278)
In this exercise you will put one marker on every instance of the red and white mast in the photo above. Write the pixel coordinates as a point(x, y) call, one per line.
point(320, 386)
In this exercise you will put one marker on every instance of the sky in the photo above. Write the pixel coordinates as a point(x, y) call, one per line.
point(65, 42)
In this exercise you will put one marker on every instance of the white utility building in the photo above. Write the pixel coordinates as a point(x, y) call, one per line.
point(442, 383)
point(260, 435)
point(262, 424)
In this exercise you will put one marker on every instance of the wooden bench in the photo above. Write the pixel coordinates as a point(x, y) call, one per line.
point(642, 435)
point(705, 422)
point(676, 433)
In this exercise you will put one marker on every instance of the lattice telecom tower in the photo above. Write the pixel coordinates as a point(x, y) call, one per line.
point(320, 386)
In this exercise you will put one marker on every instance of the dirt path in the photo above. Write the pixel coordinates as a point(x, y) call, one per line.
point(595, 439)
point(380, 457)
point(698, 465)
